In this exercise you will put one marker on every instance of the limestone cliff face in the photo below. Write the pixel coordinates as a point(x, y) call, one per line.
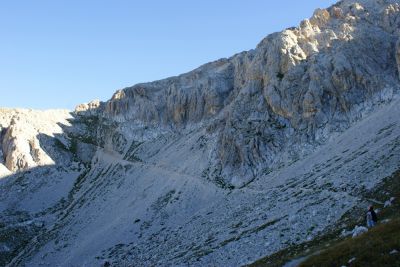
point(271, 104)
point(23, 137)
point(22, 149)
point(191, 97)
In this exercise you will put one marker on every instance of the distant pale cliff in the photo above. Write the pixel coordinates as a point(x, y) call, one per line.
point(21, 132)
point(268, 105)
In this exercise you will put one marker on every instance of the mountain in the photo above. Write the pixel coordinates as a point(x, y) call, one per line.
point(238, 159)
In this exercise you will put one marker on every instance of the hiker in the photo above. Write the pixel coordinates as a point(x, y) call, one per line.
point(371, 217)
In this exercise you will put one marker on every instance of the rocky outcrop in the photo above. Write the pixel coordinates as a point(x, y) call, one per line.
point(21, 147)
point(25, 133)
point(90, 108)
point(273, 104)
point(176, 101)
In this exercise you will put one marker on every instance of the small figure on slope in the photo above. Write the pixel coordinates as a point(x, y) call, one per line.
point(372, 219)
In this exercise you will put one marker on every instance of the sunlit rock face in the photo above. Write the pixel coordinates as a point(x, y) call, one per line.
point(88, 108)
point(276, 102)
point(22, 148)
point(237, 159)
point(21, 131)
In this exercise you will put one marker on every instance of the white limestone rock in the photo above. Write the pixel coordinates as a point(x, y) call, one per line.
point(301, 85)
point(88, 108)
point(359, 230)
point(22, 130)
point(4, 172)
point(22, 148)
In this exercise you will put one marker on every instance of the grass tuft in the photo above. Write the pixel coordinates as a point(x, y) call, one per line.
point(370, 249)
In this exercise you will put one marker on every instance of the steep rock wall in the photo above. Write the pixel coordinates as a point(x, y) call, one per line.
point(273, 104)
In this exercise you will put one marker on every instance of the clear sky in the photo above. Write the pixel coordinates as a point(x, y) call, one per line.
point(57, 54)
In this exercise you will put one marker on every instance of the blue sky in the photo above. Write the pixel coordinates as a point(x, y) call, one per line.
point(57, 54)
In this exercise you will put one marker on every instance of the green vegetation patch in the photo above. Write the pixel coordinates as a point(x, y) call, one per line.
point(378, 247)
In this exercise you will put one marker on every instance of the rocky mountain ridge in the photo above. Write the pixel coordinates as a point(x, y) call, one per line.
point(297, 87)
point(232, 161)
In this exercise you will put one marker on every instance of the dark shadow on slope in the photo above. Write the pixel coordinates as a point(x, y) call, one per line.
point(21, 230)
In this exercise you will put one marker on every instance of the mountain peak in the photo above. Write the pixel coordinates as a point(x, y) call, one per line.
point(237, 159)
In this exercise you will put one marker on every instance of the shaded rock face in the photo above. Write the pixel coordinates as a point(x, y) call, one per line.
point(272, 104)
